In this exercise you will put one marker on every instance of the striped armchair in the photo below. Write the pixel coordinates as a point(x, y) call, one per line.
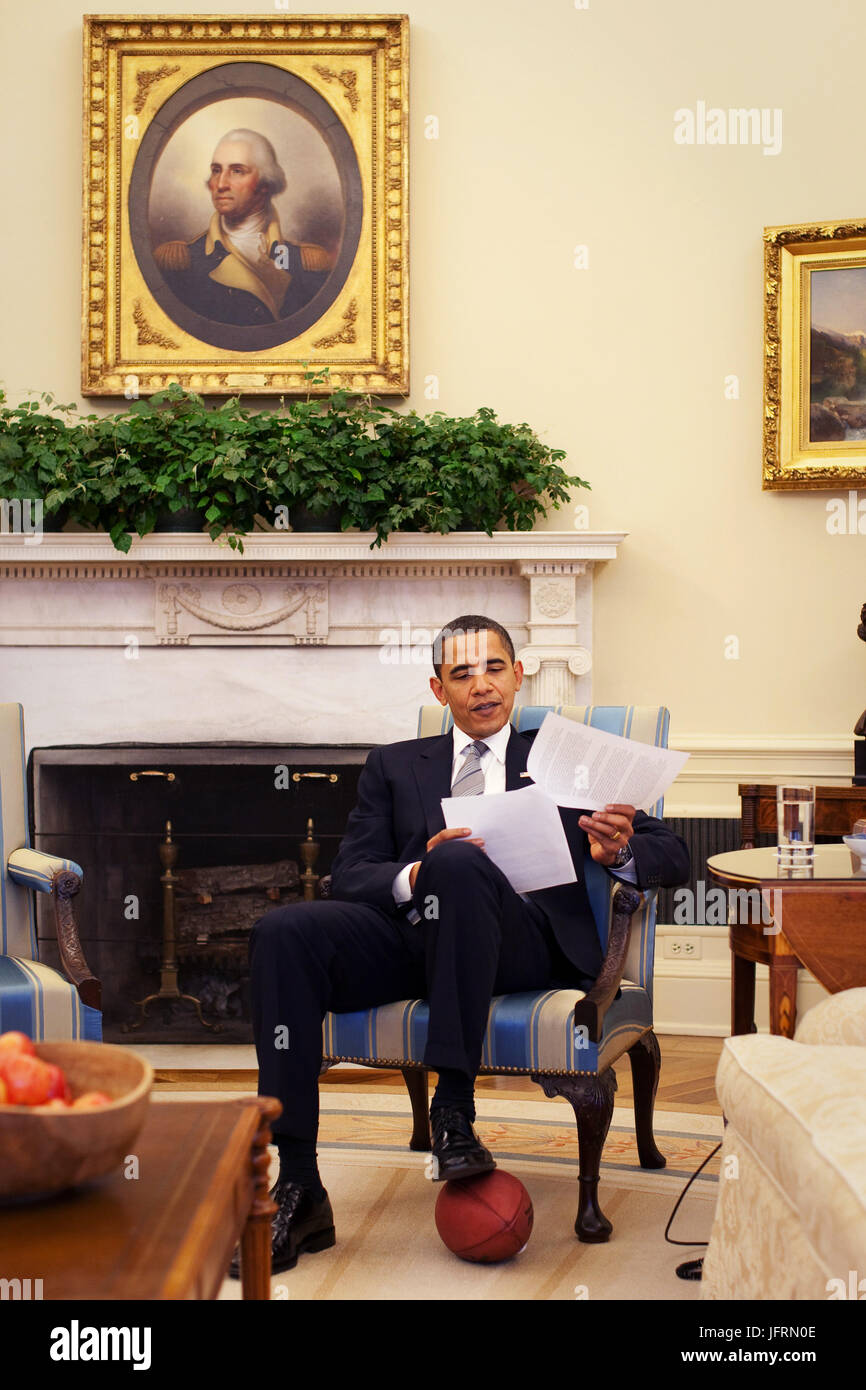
point(565, 1040)
point(34, 998)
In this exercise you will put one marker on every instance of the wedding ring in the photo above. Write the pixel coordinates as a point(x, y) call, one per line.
point(616, 836)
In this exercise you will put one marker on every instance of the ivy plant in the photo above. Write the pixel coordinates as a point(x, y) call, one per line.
point(383, 470)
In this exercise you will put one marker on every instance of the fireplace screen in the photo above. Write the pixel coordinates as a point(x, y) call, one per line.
point(183, 848)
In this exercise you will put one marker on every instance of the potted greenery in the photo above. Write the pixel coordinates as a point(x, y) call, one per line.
point(344, 460)
point(467, 473)
point(329, 461)
point(177, 457)
point(42, 452)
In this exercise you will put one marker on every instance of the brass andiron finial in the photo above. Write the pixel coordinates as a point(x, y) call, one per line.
point(309, 852)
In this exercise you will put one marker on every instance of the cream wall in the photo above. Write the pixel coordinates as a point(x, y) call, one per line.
point(556, 129)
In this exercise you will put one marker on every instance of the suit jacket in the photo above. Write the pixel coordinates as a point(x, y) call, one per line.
point(398, 811)
point(212, 279)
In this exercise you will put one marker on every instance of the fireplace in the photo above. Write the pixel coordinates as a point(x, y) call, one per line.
point(251, 825)
point(184, 657)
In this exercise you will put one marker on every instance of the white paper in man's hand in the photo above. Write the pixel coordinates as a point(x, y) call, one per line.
point(522, 833)
point(576, 765)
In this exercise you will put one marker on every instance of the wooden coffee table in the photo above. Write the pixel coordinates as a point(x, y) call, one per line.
point(168, 1233)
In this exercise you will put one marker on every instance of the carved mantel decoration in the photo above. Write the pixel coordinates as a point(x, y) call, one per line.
point(296, 611)
point(310, 590)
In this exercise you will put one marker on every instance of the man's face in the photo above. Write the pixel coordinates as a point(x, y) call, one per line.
point(479, 682)
point(234, 181)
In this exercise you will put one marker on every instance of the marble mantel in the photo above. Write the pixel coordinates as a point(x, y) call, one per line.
point(306, 591)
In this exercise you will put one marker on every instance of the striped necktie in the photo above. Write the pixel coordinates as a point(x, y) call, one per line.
point(470, 779)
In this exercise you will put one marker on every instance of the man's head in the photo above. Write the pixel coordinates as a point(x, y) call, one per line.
point(476, 674)
point(244, 174)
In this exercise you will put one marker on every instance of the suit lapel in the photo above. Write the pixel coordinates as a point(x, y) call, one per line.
point(516, 753)
point(433, 775)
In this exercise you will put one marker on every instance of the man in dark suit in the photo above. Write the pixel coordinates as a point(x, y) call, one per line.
point(420, 911)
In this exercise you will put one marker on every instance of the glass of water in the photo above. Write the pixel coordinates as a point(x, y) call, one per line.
point(795, 819)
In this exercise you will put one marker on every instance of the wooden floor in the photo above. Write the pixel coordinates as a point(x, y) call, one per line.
point(687, 1078)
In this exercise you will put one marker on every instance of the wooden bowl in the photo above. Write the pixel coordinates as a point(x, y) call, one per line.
point(46, 1151)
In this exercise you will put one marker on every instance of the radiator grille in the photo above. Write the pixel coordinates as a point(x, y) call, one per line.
point(705, 836)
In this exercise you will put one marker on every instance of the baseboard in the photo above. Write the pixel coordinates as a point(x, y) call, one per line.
point(693, 998)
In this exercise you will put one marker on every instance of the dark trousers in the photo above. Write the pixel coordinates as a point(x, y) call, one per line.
point(476, 938)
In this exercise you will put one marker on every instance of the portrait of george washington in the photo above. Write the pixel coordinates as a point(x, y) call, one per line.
point(241, 269)
point(245, 207)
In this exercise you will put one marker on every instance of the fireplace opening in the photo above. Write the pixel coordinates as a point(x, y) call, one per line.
point(183, 847)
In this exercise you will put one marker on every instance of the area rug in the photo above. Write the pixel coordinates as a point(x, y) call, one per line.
point(387, 1245)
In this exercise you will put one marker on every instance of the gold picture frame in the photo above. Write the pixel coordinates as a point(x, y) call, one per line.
point(284, 274)
point(814, 359)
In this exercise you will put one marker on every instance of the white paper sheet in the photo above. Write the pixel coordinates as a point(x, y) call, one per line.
point(576, 765)
point(522, 833)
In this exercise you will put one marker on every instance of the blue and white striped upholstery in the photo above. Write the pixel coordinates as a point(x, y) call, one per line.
point(38, 1001)
point(531, 1031)
point(17, 917)
point(34, 999)
point(33, 869)
point(526, 1032)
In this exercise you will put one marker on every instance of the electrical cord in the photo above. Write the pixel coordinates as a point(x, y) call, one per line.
point(689, 1269)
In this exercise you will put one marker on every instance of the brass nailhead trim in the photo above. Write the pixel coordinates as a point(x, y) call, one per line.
point(483, 1071)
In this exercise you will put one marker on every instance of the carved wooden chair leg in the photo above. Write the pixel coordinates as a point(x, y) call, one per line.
point(591, 1098)
point(416, 1085)
point(645, 1061)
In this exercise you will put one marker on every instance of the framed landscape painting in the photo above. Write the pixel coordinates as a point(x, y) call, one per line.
point(815, 356)
point(245, 204)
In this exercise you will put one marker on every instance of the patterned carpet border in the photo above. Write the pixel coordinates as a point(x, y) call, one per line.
point(514, 1138)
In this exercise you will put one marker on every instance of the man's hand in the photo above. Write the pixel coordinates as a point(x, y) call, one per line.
point(609, 831)
point(455, 833)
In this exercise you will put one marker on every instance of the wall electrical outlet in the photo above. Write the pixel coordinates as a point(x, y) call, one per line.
point(682, 947)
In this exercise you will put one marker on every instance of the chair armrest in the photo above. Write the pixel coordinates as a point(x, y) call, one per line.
point(32, 869)
point(62, 879)
point(589, 1011)
point(66, 884)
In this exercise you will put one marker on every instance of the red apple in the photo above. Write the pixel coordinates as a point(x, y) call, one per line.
point(16, 1042)
point(59, 1086)
point(27, 1081)
point(91, 1100)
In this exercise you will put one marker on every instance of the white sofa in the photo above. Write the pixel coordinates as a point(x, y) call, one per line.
point(790, 1220)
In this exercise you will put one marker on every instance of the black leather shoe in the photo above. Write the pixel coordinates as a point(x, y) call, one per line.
point(457, 1150)
point(301, 1225)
